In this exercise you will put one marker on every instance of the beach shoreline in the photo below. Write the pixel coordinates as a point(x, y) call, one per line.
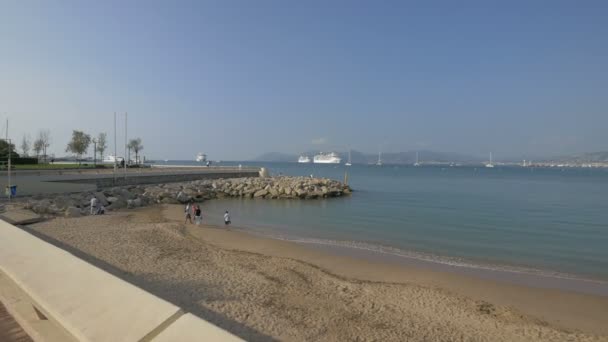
point(284, 283)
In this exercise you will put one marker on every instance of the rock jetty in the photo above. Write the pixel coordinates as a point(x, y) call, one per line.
point(77, 204)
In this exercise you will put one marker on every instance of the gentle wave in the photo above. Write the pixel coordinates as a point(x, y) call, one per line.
point(426, 257)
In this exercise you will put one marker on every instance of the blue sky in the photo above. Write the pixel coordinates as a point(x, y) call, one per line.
point(239, 78)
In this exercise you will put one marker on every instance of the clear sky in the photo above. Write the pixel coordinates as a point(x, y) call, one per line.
point(239, 78)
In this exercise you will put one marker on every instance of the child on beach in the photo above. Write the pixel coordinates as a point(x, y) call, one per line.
point(198, 215)
point(226, 218)
point(188, 211)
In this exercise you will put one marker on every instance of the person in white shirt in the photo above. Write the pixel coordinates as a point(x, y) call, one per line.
point(226, 218)
point(94, 206)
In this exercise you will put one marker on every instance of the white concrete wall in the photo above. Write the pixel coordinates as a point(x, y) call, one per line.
point(90, 303)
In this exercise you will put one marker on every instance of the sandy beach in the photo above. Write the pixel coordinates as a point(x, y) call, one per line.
point(263, 289)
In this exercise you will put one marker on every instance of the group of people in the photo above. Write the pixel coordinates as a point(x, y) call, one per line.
point(193, 210)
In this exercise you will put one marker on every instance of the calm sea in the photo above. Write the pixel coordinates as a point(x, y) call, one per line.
point(537, 220)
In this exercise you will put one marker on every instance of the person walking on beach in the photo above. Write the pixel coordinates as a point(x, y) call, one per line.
point(94, 205)
point(198, 215)
point(226, 218)
point(188, 211)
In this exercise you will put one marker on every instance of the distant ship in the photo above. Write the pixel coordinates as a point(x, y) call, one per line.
point(304, 159)
point(348, 163)
point(490, 164)
point(112, 159)
point(201, 157)
point(327, 158)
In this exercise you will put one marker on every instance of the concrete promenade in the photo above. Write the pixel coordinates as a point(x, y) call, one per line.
point(56, 296)
point(32, 182)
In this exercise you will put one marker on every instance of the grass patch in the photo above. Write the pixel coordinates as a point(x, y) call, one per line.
point(59, 166)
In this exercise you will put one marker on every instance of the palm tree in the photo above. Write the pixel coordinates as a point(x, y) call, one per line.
point(136, 146)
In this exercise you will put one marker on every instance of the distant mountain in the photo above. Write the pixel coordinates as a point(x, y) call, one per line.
point(592, 157)
point(357, 157)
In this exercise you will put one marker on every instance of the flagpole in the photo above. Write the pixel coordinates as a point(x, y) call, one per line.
point(125, 146)
point(115, 156)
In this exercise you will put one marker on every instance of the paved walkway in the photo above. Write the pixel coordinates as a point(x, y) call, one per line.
point(10, 331)
point(51, 181)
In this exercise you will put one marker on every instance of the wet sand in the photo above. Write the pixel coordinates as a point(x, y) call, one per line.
point(263, 289)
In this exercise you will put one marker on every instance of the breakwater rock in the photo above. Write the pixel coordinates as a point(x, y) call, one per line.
point(175, 193)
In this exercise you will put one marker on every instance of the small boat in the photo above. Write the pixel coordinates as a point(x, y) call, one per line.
point(417, 163)
point(379, 162)
point(201, 157)
point(348, 163)
point(490, 164)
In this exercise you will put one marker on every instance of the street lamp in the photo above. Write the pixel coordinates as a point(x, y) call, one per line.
point(95, 152)
point(9, 188)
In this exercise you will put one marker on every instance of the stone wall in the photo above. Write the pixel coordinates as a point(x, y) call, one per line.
point(104, 182)
point(134, 196)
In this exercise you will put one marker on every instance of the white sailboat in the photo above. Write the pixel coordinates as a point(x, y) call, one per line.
point(379, 162)
point(417, 163)
point(490, 164)
point(348, 163)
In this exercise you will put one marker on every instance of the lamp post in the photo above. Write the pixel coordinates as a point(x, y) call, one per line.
point(95, 152)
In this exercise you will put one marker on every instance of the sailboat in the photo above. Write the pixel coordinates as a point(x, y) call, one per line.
point(379, 162)
point(416, 163)
point(348, 163)
point(490, 164)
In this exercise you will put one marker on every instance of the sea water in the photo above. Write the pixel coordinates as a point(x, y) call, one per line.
point(527, 219)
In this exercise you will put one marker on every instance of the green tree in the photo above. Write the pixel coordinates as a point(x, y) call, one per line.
point(79, 144)
point(4, 147)
point(136, 146)
point(101, 144)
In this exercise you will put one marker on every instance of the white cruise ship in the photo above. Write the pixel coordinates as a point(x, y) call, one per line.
point(201, 157)
point(304, 159)
point(112, 159)
point(327, 158)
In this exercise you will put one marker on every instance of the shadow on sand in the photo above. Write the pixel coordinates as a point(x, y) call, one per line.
point(159, 289)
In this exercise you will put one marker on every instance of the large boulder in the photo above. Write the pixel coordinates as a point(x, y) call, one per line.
point(103, 200)
point(120, 203)
point(273, 192)
point(72, 212)
point(182, 197)
point(126, 194)
point(42, 206)
point(169, 200)
point(260, 193)
point(133, 203)
point(63, 202)
point(112, 199)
